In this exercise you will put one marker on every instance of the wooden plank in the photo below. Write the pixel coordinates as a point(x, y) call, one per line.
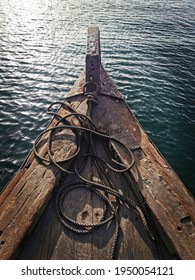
point(11, 184)
point(170, 203)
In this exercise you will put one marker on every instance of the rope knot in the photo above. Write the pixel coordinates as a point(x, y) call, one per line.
point(91, 97)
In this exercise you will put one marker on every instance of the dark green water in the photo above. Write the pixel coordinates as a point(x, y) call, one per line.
point(148, 48)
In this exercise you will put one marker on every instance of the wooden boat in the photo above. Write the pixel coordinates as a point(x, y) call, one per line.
point(95, 186)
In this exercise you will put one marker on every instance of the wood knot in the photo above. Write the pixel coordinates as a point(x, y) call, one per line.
point(84, 214)
point(2, 242)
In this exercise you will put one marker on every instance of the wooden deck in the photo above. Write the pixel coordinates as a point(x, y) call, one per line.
point(30, 227)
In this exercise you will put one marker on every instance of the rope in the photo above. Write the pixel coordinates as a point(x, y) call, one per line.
point(85, 134)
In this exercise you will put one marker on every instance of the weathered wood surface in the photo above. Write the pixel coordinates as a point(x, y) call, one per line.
point(27, 206)
point(51, 240)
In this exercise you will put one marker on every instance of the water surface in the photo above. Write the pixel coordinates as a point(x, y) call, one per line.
point(147, 48)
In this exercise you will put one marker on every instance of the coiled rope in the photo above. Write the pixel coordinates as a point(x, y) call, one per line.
point(85, 133)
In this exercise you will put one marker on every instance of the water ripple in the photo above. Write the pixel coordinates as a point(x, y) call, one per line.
point(148, 48)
